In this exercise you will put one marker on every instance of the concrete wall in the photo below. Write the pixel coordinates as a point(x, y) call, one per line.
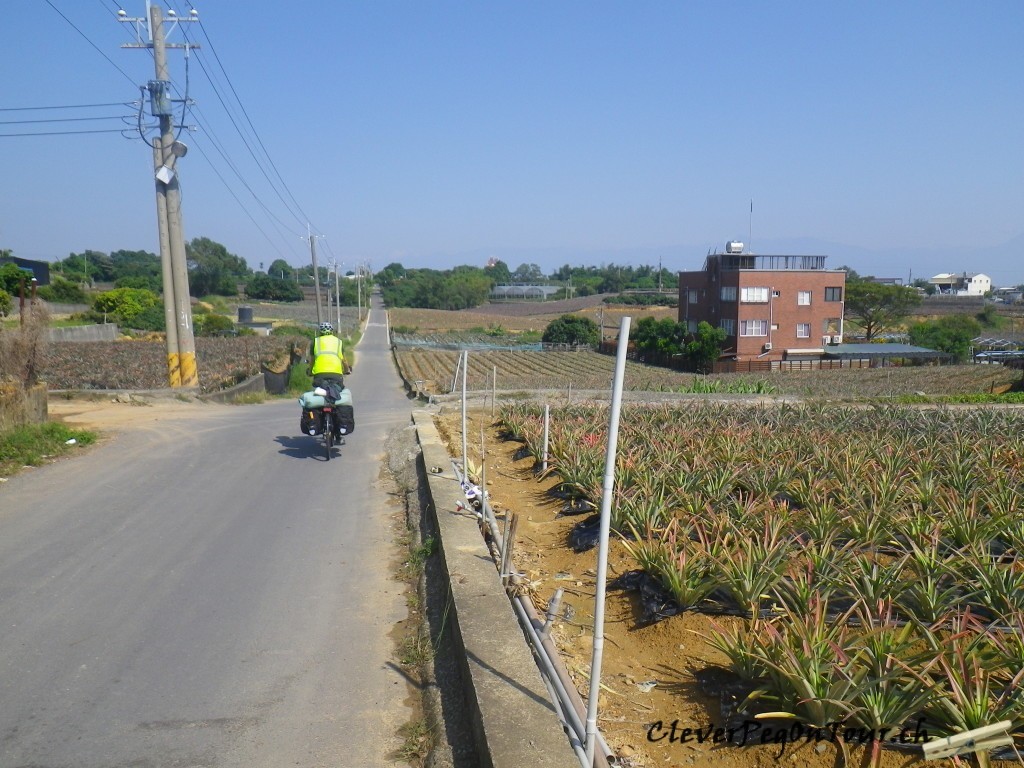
point(103, 332)
point(18, 407)
point(513, 720)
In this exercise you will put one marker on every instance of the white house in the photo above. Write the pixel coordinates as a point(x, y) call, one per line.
point(962, 284)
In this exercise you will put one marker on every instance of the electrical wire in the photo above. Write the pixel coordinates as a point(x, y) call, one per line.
point(90, 42)
point(62, 133)
point(213, 50)
point(70, 106)
point(61, 120)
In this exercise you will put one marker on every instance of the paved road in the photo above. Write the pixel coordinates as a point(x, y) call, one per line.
point(207, 593)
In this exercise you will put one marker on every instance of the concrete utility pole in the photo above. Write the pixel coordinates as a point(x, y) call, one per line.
point(181, 347)
point(316, 274)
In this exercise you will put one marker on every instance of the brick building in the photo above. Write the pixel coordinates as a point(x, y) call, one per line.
point(771, 307)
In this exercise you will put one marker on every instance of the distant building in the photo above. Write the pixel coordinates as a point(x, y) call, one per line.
point(40, 269)
point(962, 284)
point(771, 307)
point(885, 280)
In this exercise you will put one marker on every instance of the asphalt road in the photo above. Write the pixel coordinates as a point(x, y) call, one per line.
point(207, 592)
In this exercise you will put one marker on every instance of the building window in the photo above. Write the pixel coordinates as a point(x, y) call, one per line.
point(833, 294)
point(803, 330)
point(691, 326)
point(803, 298)
point(755, 295)
point(729, 326)
point(728, 293)
point(692, 296)
point(830, 326)
point(753, 327)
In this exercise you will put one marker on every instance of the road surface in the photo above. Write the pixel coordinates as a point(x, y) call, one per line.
point(206, 591)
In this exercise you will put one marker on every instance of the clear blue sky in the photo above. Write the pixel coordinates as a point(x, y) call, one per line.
point(886, 135)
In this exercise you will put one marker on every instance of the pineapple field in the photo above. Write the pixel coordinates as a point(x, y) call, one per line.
point(816, 569)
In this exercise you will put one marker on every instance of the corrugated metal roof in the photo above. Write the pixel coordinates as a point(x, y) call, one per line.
point(881, 350)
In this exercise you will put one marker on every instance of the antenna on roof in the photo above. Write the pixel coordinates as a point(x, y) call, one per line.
point(750, 228)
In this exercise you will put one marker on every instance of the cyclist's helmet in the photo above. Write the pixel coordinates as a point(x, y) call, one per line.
point(326, 328)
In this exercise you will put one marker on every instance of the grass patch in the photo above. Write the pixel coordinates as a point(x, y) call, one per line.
point(416, 741)
point(250, 398)
point(415, 651)
point(32, 444)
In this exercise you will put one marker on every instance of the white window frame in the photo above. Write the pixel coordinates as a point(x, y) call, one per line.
point(803, 298)
point(728, 293)
point(753, 327)
point(803, 330)
point(691, 295)
point(691, 326)
point(728, 325)
point(754, 295)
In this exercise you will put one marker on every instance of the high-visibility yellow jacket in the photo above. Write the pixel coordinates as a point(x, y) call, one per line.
point(327, 355)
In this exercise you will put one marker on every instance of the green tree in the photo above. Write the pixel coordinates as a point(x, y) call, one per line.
point(281, 269)
point(6, 303)
point(876, 307)
point(273, 289)
point(924, 285)
point(125, 304)
point(705, 347)
point(11, 277)
point(951, 334)
point(571, 329)
point(212, 269)
point(528, 273)
point(499, 273)
point(663, 337)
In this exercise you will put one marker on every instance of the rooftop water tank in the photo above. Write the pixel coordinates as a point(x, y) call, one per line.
point(734, 246)
point(245, 314)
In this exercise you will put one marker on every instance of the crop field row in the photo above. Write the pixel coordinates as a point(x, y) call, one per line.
point(527, 370)
point(876, 555)
point(515, 317)
point(143, 364)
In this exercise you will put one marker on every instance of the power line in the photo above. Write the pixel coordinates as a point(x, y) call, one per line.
point(70, 106)
point(63, 133)
point(213, 50)
point(62, 120)
point(90, 42)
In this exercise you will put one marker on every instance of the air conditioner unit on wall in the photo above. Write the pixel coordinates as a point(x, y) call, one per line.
point(826, 340)
point(767, 346)
point(837, 339)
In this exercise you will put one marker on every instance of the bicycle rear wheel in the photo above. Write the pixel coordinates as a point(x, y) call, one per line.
point(328, 434)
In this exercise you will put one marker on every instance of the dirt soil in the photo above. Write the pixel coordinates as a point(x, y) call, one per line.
point(113, 413)
point(655, 674)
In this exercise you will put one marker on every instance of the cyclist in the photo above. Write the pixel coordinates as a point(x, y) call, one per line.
point(327, 359)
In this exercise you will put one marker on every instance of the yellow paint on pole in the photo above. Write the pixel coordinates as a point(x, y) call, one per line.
point(189, 374)
point(173, 369)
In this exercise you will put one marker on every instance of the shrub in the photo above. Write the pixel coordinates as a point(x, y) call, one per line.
point(213, 325)
point(6, 302)
point(139, 281)
point(62, 291)
point(572, 329)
